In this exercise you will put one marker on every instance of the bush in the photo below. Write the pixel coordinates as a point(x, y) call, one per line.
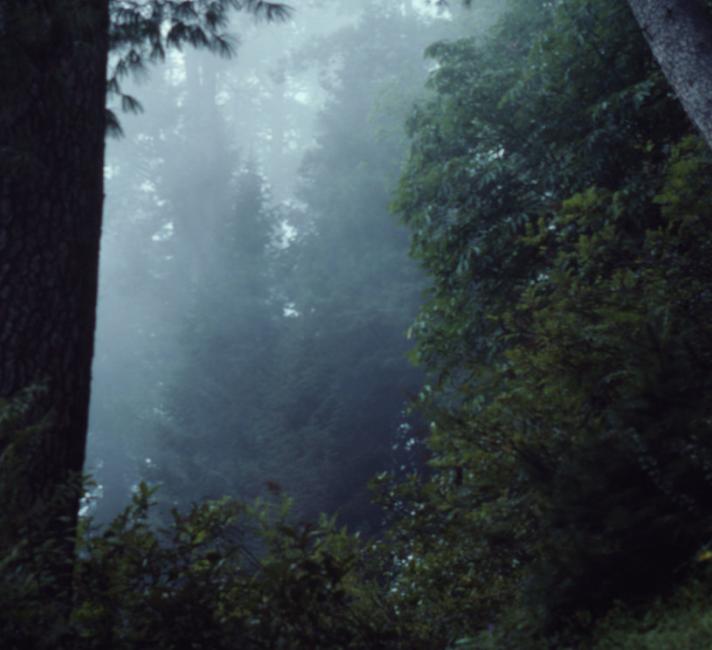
point(223, 575)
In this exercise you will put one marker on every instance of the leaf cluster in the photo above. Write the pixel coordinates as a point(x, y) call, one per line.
point(142, 31)
point(223, 575)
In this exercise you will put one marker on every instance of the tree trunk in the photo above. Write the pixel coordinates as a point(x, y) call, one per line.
point(679, 33)
point(53, 57)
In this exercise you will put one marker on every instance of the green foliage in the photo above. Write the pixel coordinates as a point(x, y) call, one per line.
point(224, 575)
point(23, 422)
point(36, 536)
point(560, 210)
point(233, 575)
point(141, 33)
point(681, 620)
point(609, 390)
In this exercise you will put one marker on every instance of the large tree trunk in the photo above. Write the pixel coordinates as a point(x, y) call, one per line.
point(679, 33)
point(53, 56)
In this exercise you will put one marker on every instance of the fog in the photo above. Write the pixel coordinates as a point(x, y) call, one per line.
point(254, 289)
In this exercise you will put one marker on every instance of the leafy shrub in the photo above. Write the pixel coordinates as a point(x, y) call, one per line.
point(224, 575)
point(682, 621)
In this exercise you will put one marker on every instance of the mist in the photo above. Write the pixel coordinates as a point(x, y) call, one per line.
point(254, 289)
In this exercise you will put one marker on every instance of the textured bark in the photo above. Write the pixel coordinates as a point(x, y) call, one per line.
point(53, 56)
point(679, 33)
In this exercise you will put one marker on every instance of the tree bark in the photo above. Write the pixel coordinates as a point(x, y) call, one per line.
point(679, 33)
point(53, 57)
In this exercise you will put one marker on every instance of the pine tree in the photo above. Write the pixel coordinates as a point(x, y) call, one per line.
point(218, 402)
point(349, 284)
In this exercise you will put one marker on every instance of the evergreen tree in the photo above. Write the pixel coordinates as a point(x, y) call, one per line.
point(218, 403)
point(352, 292)
point(302, 383)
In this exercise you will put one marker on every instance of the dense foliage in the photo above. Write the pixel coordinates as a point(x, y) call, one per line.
point(199, 583)
point(559, 204)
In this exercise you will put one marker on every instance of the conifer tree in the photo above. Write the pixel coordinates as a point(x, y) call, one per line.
point(219, 405)
point(352, 290)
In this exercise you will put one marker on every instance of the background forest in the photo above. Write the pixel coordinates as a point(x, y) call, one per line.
point(520, 368)
point(263, 286)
